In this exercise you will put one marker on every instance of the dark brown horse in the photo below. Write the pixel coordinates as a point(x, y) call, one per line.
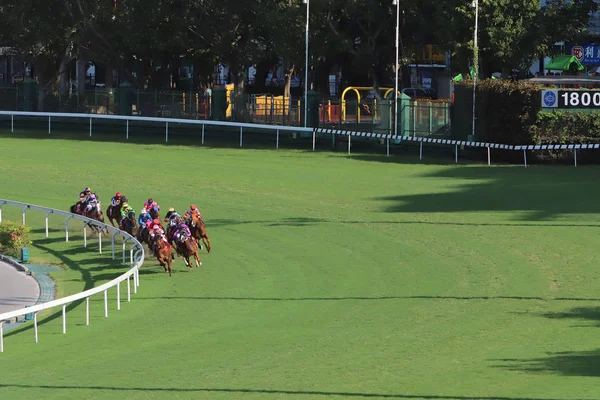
point(95, 213)
point(129, 224)
point(114, 212)
point(198, 230)
point(188, 247)
point(162, 251)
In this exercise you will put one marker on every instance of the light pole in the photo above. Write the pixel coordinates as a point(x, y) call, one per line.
point(307, 2)
point(475, 60)
point(397, 4)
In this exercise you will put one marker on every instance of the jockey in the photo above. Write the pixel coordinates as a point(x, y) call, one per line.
point(92, 202)
point(150, 204)
point(191, 212)
point(157, 232)
point(125, 209)
point(154, 224)
point(171, 214)
point(144, 219)
point(116, 200)
point(182, 231)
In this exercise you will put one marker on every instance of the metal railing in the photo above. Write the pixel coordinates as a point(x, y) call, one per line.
point(135, 259)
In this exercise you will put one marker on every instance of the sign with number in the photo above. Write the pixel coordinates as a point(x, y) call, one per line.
point(571, 99)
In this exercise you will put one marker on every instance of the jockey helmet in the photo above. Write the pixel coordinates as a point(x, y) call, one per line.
point(143, 211)
point(150, 201)
point(156, 221)
point(193, 207)
point(118, 194)
point(171, 209)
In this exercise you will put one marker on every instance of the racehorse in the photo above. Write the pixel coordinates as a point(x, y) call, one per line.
point(95, 213)
point(114, 212)
point(143, 236)
point(154, 213)
point(199, 231)
point(162, 251)
point(129, 224)
point(187, 247)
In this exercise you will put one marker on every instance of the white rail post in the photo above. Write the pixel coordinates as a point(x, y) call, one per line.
point(47, 214)
point(131, 256)
point(12, 123)
point(456, 153)
point(49, 128)
point(84, 234)
point(314, 139)
point(106, 303)
point(112, 242)
point(489, 158)
point(349, 139)
point(135, 281)
point(67, 229)
point(128, 289)
point(64, 318)
point(87, 311)
point(1, 212)
point(277, 143)
point(575, 154)
point(127, 130)
point(387, 153)
point(1, 337)
point(420, 150)
point(35, 327)
point(525, 157)
point(124, 243)
point(167, 132)
point(119, 296)
point(24, 208)
point(241, 137)
point(100, 242)
point(90, 126)
point(202, 133)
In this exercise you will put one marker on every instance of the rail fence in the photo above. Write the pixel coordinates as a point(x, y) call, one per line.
point(136, 259)
point(308, 133)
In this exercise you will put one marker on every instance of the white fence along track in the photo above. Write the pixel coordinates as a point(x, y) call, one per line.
point(136, 259)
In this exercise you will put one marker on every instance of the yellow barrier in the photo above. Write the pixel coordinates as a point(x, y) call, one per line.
point(356, 89)
point(271, 105)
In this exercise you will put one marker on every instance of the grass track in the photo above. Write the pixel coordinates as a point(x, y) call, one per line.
point(332, 277)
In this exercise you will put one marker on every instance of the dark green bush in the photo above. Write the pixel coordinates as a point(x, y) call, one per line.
point(560, 127)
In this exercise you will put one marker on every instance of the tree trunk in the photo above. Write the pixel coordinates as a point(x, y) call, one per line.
point(63, 78)
point(240, 109)
point(108, 76)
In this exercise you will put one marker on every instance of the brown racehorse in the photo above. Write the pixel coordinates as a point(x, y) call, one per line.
point(129, 224)
point(95, 213)
point(162, 252)
point(143, 236)
point(114, 212)
point(188, 248)
point(199, 231)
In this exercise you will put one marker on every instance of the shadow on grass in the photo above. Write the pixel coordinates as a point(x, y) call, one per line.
point(567, 363)
point(543, 193)
point(271, 392)
point(304, 221)
point(369, 298)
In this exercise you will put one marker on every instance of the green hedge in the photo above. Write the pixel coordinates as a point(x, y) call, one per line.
point(13, 237)
point(560, 127)
point(506, 111)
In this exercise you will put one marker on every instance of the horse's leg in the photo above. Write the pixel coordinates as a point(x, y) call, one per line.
point(198, 262)
point(206, 241)
point(169, 265)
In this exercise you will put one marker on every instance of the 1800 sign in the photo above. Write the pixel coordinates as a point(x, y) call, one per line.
point(571, 98)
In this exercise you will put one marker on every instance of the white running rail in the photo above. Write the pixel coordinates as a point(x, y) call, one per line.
point(136, 259)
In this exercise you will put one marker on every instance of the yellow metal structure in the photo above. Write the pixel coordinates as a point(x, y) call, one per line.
point(266, 104)
point(356, 90)
point(228, 94)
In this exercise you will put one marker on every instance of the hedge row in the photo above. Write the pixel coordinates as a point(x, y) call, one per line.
point(509, 112)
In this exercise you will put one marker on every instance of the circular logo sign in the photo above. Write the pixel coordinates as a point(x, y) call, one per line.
point(577, 51)
point(549, 99)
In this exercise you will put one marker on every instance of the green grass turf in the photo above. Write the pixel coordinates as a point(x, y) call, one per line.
point(332, 277)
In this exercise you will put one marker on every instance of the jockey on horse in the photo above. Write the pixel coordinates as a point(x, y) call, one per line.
point(156, 233)
point(188, 216)
point(151, 206)
point(182, 232)
point(116, 200)
point(92, 202)
point(144, 220)
point(83, 199)
point(173, 219)
point(125, 210)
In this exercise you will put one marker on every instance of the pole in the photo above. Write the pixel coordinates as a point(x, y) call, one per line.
point(396, 80)
point(475, 62)
point(306, 68)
